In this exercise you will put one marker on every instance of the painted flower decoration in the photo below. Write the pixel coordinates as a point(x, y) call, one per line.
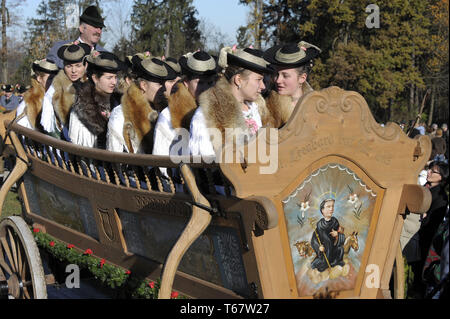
point(303, 48)
point(353, 198)
point(304, 206)
point(95, 53)
point(252, 125)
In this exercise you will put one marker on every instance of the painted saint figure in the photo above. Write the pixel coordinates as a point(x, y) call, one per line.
point(328, 239)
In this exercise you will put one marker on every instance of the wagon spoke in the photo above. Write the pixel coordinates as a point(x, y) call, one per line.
point(26, 294)
point(4, 265)
point(12, 242)
point(8, 252)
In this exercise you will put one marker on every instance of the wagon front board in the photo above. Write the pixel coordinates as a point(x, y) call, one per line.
point(331, 150)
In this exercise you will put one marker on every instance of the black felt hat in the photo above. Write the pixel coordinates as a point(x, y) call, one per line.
point(91, 16)
point(46, 66)
point(153, 69)
point(174, 64)
point(291, 55)
point(248, 58)
point(7, 88)
point(104, 62)
point(74, 52)
point(199, 63)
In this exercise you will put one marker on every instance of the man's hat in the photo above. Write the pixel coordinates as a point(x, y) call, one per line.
point(199, 63)
point(104, 62)
point(73, 52)
point(46, 66)
point(291, 55)
point(153, 69)
point(92, 17)
point(7, 88)
point(248, 58)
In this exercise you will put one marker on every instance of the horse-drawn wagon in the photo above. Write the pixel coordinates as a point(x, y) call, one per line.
point(247, 228)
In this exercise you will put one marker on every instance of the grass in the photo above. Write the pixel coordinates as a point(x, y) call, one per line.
point(12, 205)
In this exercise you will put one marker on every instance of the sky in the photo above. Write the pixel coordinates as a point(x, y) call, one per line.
point(224, 16)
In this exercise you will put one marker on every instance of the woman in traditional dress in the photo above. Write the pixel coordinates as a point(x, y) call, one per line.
point(131, 125)
point(233, 103)
point(29, 110)
point(293, 63)
point(60, 96)
point(94, 101)
point(199, 72)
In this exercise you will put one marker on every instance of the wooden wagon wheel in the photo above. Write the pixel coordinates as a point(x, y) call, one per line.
point(21, 272)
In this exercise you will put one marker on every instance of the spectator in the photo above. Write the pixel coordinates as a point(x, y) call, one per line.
point(433, 130)
point(8, 101)
point(437, 178)
point(439, 146)
point(91, 26)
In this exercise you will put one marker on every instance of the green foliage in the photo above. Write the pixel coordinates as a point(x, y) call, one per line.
point(109, 275)
point(391, 66)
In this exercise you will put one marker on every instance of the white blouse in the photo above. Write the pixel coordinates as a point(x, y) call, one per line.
point(168, 140)
point(79, 134)
point(114, 138)
point(48, 117)
point(200, 142)
point(24, 120)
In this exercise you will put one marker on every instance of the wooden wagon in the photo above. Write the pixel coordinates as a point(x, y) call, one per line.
point(239, 229)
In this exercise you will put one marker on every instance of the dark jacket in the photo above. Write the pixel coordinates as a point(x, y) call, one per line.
point(433, 219)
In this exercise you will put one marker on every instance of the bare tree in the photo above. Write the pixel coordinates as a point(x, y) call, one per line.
point(8, 20)
point(212, 37)
point(117, 14)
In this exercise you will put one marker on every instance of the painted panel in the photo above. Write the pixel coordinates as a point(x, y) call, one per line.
point(328, 219)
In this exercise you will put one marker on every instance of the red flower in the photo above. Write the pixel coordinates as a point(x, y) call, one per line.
point(151, 284)
point(35, 230)
point(88, 251)
point(128, 272)
point(70, 246)
point(52, 244)
point(102, 262)
point(174, 295)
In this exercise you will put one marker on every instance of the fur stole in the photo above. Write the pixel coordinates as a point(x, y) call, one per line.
point(139, 120)
point(33, 100)
point(92, 107)
point(182, 106)
point(222, 110)
point(64, 97)
point(280, 108)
